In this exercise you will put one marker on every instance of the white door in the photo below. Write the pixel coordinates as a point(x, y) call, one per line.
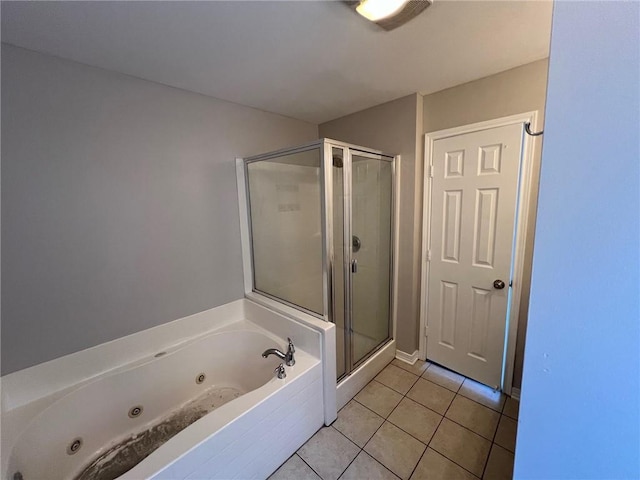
point(473, 205)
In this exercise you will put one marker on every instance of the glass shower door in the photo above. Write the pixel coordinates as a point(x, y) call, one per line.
point(371, 231)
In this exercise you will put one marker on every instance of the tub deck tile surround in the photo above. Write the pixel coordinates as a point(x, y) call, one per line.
point(452, 429)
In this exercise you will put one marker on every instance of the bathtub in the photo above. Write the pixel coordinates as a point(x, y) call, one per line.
point(258, 422)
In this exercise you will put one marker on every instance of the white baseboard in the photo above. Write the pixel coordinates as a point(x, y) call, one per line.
point(410, 358)
point(515, 393)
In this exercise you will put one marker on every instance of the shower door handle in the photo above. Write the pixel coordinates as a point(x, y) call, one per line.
point(354, 266)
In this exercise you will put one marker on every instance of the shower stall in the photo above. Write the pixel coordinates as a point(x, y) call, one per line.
point(320, 223)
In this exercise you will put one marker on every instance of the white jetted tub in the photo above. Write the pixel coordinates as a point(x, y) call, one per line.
point(209, 407)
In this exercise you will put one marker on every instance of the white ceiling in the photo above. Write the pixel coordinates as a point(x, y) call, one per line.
point(311, 60)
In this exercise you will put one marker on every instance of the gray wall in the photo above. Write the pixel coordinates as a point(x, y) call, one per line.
point(395, 127)
point(119, 203)
point(580, 408)
point(518, 90)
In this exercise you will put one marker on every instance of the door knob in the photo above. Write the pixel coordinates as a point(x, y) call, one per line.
point(498, 284)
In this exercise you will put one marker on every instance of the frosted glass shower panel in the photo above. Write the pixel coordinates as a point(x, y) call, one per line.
point(371, 225)
point(286, 228)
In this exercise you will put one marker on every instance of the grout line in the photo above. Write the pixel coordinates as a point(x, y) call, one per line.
point(398, 391)
point(444, 368)
point(423, 406)
point(493, 409)
point(345, 436)
point(280, 466)
point(305, 462)
point(450, 459)
point(511, 419)
point(373, 379)
point(361, 449)
point(493, 442)
point(436, 429)
point(348, 439)
point(374, 459)
point(427, 445)
point(386, 386)
point(455, 392)
point(452, 421)
point(431, 410)
point(300, 456)
point(434, 433)
point(419, 460)
point(478, 403)
point(347, 467)
point(370, 438)
point(363, 405)
point(407, 370)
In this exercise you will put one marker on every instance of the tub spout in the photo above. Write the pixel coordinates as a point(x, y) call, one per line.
point(287, 357)
point(274, 351)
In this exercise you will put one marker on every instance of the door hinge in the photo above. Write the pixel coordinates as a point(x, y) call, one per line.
point(428, 255)
point(430, 171)
point(426, 330)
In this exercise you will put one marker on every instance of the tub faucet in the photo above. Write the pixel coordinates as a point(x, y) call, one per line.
point(287, 357)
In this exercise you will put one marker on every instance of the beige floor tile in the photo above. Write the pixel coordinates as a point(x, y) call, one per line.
point(357, 422)
point(396, 378)
point(434, 466)
point(499, 465)
point(365, 467)
point(294, 469)
point(432, 396)
point(462, 446)
point(494, 399)
point(329, 453)
point(443, 377)
point(474, 416)
point(395, 449)
point(417, 368)
point(511, 408)
point(506, 434)
point(415, 419)
point(379, 398)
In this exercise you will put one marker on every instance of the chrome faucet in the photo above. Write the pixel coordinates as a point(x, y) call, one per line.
point(280, 372)
point(287, 357)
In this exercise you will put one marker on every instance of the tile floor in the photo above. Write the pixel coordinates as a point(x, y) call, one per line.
point(413, 422)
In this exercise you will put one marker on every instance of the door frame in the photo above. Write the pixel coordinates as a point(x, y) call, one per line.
point(525, 202)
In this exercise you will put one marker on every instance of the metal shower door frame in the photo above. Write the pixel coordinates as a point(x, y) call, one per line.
point(245, 203)
point(347, 172)
point(328, 259)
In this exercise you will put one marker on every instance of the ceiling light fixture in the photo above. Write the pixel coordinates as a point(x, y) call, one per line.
point(375, 10)
point(389, 14)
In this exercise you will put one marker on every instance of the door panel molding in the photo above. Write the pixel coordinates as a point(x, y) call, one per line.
point(525, 202)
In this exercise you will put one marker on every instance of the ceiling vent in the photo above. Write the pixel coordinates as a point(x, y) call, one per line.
point(389, 14)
